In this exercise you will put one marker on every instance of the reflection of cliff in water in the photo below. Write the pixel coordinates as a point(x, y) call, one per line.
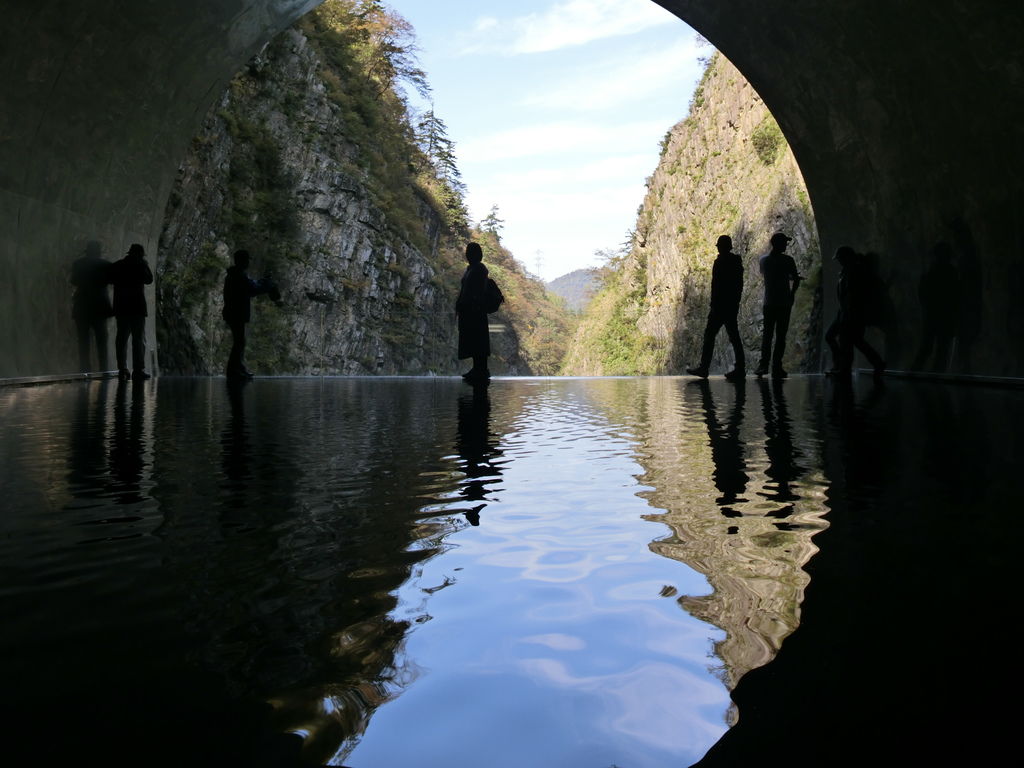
point(743, 492)
point(216, 569)
point(291, 575)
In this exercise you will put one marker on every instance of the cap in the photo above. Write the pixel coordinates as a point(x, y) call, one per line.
point(780, 239)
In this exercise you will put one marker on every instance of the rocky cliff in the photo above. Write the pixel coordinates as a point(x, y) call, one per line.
point(310, 162)
point(725, 169)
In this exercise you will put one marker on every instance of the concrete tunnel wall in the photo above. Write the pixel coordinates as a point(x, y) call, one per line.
point(906, 119)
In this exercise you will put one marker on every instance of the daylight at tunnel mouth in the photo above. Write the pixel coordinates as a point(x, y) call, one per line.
point(738, 336)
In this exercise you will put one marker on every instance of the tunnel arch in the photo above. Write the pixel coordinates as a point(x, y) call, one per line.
point(907, 126)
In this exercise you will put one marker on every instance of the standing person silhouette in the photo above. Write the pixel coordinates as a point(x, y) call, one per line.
point(91, 307)
point(780, 283)
point(474, 337)
point(239, 289)
point(130, 276)
point(726, 289)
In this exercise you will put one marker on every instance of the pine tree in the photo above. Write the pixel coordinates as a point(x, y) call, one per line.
point(492, 223)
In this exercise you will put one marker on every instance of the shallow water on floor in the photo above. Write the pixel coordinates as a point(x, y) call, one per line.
point(401, 572)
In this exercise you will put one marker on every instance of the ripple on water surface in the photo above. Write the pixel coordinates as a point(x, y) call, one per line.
point(411, 572)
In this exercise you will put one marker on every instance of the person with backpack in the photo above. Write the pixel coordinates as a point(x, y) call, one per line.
point(476, 298)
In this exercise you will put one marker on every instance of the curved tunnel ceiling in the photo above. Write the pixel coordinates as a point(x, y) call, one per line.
point(907, 125)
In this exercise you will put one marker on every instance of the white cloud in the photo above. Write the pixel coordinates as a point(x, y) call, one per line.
point(615, 169)
point(626, 79)
point(567, 223)
point(566, 24)
point(559, 138)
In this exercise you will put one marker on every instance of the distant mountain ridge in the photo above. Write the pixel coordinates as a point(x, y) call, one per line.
point(577, 287)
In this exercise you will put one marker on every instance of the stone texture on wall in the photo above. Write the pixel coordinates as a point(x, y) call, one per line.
point(356, 297)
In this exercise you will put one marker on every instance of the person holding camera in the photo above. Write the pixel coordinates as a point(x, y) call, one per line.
point(130, 276)
point(239, 289)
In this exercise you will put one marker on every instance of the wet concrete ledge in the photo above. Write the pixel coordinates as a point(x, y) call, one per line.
point(945, 378)
point(952, 378)
point(30, 381)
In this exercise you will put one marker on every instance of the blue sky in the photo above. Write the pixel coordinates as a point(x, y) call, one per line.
point(556, 108)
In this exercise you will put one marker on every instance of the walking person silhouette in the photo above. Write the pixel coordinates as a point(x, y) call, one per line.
point(855, 303)
point(474, 336)
point(130, 276)
point(780, 283)
point(91, 307)
point(726, 289)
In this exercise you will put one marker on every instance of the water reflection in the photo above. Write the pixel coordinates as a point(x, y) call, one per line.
point(413, 572)
point(478, 452)
point(754, 559)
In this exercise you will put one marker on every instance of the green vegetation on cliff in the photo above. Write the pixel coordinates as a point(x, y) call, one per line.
point(607, 339)
point(540, 320)
point(724, 169)
point(314, 162)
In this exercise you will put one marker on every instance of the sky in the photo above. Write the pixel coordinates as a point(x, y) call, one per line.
point(556, 108)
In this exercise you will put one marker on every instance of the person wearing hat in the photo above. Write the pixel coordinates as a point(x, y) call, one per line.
point(130, 276)
point(780, 283)
point(726, 289)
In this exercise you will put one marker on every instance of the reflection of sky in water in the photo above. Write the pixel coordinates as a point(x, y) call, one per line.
point(407, 574)
point(555, 646)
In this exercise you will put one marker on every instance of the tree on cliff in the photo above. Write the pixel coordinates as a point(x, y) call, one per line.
point(492, 222)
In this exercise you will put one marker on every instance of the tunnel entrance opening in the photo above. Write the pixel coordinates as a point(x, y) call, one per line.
point(289, 160)
point(857, 108)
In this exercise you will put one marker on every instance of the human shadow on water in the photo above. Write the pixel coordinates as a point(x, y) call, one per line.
point(235, 445)
point(127, 452)
point(727, 448)
point(885, 667)
point(778, 446)
point(477, 450)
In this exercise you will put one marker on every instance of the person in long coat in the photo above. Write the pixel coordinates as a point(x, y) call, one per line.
point(474, 338)
point(130, 276)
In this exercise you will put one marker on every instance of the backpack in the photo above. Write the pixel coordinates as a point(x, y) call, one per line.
point(493, 298)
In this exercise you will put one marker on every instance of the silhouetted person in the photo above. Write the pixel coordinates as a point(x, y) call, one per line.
point(939, 293)
point(239, 289)
point(880, 311)
point(726, 289)
point(780, 283)
point(91, 307)
point(858, 294)
point(130, 276)
point(474, 338)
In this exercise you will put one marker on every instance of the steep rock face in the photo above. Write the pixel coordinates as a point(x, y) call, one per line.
point(273, 172)
point(725, 169)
